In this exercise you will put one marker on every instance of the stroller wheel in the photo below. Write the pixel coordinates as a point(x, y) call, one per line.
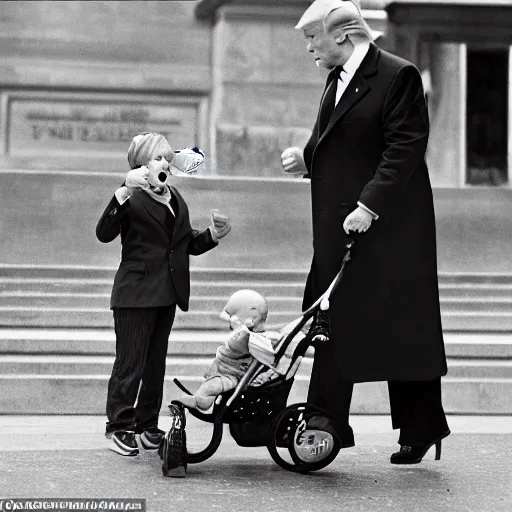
point(309, 436)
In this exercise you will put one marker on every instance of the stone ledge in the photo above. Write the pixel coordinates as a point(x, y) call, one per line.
point(86, 395)
point(75, 74)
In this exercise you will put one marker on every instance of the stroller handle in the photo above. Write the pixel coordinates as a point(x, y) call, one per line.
point(255, 365)
point(306, 315)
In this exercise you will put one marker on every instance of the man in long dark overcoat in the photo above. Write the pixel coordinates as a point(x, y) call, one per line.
point(370, 183)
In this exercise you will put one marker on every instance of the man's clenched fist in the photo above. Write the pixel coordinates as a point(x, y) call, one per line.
point(292, 160)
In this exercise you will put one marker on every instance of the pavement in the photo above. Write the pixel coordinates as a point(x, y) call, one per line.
point(67, 457)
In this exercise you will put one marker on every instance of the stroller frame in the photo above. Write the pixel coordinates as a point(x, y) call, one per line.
point(245, 404)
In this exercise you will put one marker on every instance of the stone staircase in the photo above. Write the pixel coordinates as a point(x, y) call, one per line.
point(57, 342)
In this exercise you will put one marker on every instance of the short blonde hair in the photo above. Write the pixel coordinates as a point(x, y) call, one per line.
point(348, 21)
point(145, 146)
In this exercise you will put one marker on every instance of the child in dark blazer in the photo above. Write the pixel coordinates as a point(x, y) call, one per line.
point(153, 278)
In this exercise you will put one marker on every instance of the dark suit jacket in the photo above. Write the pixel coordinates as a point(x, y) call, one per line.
point(386, 322)
point(154, 268)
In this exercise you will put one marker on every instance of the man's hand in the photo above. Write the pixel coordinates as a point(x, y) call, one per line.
point(219, 224)
point(137, 178)
point(359, 220)
point(292, 160)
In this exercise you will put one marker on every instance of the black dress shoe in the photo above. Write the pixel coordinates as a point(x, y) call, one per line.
point(415, 453)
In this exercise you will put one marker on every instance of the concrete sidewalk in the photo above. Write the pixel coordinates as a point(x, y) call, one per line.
point(66, 457)
point(86, 432)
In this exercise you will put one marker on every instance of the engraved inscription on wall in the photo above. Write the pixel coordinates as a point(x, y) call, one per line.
point(42, 127)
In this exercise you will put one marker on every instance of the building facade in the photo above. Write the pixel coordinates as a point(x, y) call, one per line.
point(79, 79)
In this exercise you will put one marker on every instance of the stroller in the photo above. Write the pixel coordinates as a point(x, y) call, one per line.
point(258, 415)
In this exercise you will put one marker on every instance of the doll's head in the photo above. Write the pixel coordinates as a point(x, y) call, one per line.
point(246, 307)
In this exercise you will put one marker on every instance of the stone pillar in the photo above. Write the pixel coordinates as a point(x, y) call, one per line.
point(446, 149)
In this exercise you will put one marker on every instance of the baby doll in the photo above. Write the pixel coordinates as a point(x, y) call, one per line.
point(246, 310)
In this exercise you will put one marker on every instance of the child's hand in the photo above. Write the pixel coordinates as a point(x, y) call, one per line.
point(219, 224)
point(137, 178)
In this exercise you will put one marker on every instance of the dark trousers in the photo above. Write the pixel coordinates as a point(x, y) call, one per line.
point(135, 388)
point(416, 406)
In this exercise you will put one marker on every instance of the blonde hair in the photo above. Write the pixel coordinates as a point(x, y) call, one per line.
point(145, 146)
point(347, 21)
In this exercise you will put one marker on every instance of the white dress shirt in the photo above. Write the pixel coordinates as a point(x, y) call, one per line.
point(349, 70)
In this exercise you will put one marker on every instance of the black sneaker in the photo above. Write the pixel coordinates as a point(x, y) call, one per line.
point(124, 443)
point(150, 439)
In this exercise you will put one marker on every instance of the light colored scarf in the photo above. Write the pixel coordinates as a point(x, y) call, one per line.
point(164, 197)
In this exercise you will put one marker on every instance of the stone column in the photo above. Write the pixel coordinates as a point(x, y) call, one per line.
point(446, 149)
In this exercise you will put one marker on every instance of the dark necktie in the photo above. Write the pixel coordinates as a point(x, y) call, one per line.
point(329, 101)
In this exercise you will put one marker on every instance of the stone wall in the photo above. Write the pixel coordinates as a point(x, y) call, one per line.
point(79, 79)
point(266, 88)
point(50, 219)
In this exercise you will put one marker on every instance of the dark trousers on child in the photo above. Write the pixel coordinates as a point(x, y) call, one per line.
point(135, 388)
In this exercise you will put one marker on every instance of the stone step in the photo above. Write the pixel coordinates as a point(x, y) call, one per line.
point(477, 322)
point(196, 366)
point(78, 317)
point(476, 279)
point(45, 371)
point(477, 305)
point(99, 286)
point(101, 342)
point(102, 318)
point(85, 394)
point(223, 285)
point(477, 291)
point(32, 272)
point(213, 303)
point(8, 271)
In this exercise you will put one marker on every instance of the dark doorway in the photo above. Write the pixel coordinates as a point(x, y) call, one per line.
point(487, 113)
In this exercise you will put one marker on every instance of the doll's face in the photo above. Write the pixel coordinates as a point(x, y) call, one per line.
point(246, 307)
